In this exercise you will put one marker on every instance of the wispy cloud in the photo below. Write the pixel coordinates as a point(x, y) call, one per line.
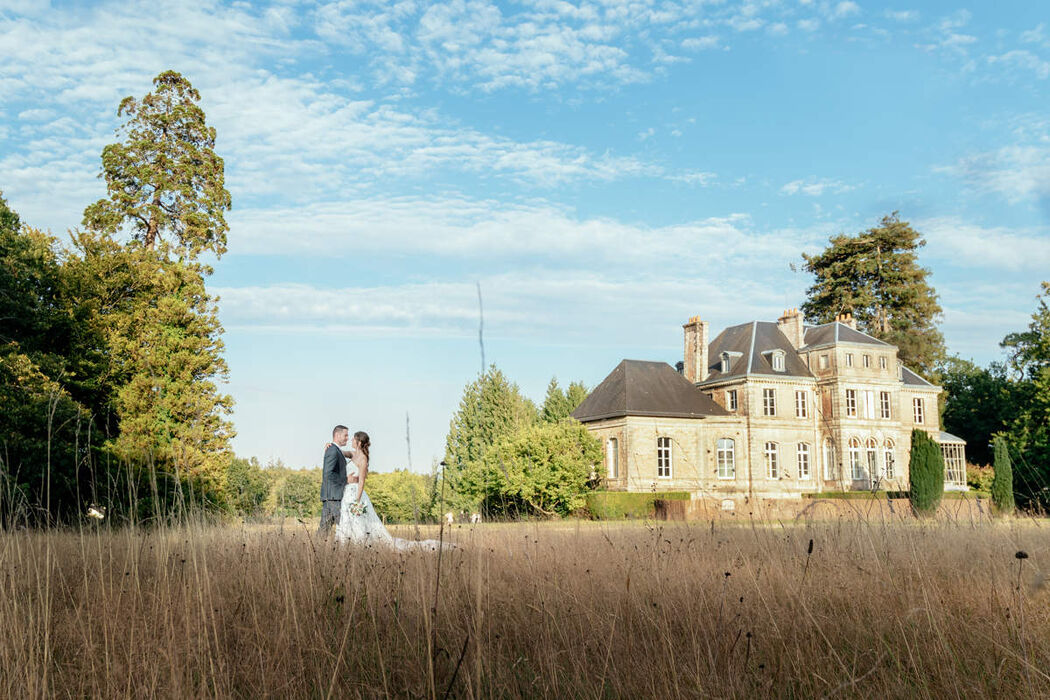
point(814, 187)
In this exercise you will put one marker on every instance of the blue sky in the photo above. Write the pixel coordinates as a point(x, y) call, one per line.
point(604, 169)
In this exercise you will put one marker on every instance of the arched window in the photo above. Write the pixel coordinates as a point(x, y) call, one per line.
point(872, 454)
point(778, 360)
point(726, 455)
point(830, 468)
point(803, 460)
point(889, 461)
point(612, 458)
point(725, 363)
point(772, 460)
point(856, 467)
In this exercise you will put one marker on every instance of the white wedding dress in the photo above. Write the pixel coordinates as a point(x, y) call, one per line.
point(367, 528)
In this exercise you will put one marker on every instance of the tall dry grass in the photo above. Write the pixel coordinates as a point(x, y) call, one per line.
point(530, 610)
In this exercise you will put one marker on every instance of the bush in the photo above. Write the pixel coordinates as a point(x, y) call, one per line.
point(927, 473)
point(616, 505)
point(1003, 483)
point(979, 478)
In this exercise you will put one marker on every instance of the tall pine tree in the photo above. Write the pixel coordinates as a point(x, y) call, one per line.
point(875, 275)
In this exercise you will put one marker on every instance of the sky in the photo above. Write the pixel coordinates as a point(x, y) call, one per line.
point(601, 170)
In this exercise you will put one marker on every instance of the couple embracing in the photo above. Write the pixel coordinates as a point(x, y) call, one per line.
point(344, 501)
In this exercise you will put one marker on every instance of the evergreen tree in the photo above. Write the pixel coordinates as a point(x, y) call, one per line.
point(492, 408)
point(978, 403)
point(926, 468)
point(555, 404)
point(163, 177)
point(1003, 483)
point(575, 395)
point(876, 276)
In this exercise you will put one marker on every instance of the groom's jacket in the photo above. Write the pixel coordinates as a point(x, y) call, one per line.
point(333, 481)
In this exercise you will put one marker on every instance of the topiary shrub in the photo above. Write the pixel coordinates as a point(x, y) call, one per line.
point(1003, 483)
point(926, 468)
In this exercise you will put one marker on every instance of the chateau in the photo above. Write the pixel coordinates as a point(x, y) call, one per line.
point(767, 410)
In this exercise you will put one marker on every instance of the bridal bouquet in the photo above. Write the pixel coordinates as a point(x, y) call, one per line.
point(357, 508)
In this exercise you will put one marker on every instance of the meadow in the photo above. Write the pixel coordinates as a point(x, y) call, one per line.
point(843, 607)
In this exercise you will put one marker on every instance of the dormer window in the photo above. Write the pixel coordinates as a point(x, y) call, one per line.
point(725, 363)
point(778, 360)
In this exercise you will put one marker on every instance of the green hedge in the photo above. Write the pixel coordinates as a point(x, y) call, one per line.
point(951, 495)
point(616, 505)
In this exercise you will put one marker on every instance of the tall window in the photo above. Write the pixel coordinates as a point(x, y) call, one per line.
point(726, 458)
point(849, 359)
point(830, 468)
point(801, 404)
point(851, 403)
point(725, 362)
point(884, 404)
point(612, 458)
point(856, 466)
point(882, 362)
point(663, 457)
point(803, 460)
point(919, 410)
point(872, 454)
point(869, 404)
point(778, 360)
point(769, 402)
point(731, 399)
point(823, 361)
point(772, 461)
point(867, 360)
point(888, 460)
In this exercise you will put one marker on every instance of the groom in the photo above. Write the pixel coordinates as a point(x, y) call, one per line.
point(333, 480)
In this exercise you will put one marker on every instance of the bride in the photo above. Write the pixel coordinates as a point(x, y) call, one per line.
point(358, 521)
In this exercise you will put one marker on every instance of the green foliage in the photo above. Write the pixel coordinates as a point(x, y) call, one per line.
point(1002, 488)
point(247, 486)
point(555, 405)
point(542, 469)
point(402, 496)
point(926, 467)
point(616, 505)
point(979, 479)
point(575, 395)
point(293, 492)
point(163, 178)
point(979, 403)
point(875, 275)
point(492, 408)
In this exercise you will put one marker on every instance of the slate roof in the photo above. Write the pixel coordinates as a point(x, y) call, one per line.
point(749, 346)
point(640, 388)
point(912, 379)
point(836, 332)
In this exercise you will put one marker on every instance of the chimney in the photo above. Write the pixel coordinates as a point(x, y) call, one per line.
point(847, 319)
point(696, 361)
point(791, 325)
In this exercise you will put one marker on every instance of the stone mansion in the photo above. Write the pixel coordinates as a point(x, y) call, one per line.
point(769, 410)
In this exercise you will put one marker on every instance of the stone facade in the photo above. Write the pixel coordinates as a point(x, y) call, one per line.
point(806, 409)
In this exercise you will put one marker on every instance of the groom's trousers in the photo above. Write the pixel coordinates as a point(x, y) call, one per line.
point(329, 517)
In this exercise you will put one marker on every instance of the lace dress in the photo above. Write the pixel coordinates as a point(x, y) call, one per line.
point(367, 528)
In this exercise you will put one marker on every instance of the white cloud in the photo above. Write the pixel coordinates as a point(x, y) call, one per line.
point(965, 244)
point(902, 15)
point(701, 43)
point(845, 9)
point(1024, 60)
point(1018, 173)
point(814, 187)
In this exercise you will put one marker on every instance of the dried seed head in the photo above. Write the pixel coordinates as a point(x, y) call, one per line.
point(1021, 554)
point(810, 550)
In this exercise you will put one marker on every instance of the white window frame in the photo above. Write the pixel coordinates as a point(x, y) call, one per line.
point(778, 360)
point(871, 455)
point(612, 458)
point(664, 458)
point(889, 460)
point(885, 407)
point(918, 410)
point(725, 455)
point(803, 461)
point(855, 463)
point(866, 360)
point(801, 404)
point(869, 403)
point(726, 363)
point(772, 452)
point(882, 362)
point(731, 400)
point(849, 359)
point(769, 402)
point(829, 460)
point(824, 362)
point(851, 403)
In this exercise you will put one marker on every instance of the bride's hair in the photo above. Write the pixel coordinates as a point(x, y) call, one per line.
point(362, 440)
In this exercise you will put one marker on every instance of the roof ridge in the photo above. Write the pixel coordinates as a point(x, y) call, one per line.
point(751, 347)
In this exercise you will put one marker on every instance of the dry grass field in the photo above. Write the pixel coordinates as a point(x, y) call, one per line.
point(571, 609)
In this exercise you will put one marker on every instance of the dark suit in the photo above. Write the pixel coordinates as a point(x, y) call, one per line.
point(333, 483)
